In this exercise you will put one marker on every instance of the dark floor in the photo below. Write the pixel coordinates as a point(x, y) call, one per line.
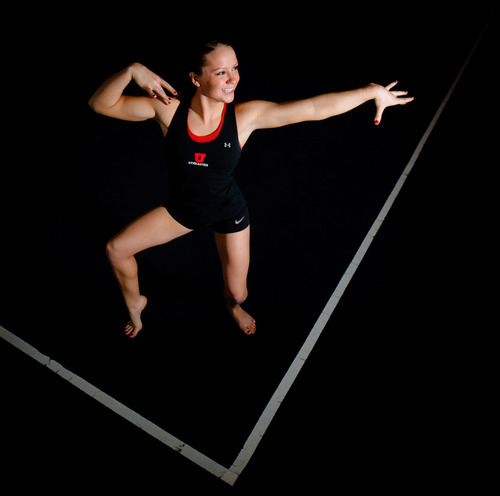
point(381, 402)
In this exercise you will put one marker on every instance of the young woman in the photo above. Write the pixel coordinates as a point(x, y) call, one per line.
point(204, 137)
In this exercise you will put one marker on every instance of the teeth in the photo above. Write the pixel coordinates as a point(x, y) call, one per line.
point(228, 91)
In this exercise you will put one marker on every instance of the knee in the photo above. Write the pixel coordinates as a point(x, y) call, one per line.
point(236, 296)
point(113, 251)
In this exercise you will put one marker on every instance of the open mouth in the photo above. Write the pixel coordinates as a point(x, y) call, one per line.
point(228, 90)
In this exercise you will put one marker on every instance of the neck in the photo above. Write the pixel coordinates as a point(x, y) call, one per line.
point(208, 109)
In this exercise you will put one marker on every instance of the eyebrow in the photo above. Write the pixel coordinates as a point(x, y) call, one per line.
point(223, 68)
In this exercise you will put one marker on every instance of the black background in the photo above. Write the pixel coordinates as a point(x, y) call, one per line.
point(387, 397)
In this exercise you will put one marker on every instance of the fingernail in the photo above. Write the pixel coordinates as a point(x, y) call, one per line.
point(377, 123)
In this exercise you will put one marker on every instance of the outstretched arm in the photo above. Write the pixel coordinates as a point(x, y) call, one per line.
point(265, 115)
point(332, 104)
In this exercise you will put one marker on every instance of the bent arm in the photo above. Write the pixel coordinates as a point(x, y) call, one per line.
point(109, 99)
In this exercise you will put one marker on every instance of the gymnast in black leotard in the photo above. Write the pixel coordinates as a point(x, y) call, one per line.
point(204, 137)
point(201, 172)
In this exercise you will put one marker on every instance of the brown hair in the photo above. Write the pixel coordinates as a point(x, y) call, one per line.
point(199, 59)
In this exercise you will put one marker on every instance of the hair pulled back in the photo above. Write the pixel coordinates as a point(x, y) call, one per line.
point(201, 52)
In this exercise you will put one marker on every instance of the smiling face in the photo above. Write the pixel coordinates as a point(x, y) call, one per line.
point(219, 76)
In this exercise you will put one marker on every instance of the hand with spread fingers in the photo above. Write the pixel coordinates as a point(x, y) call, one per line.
point(387, 98)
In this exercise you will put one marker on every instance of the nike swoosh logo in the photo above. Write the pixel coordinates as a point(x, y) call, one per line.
point(238, 221)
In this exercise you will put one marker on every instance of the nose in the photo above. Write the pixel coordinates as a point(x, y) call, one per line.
point(232, 79)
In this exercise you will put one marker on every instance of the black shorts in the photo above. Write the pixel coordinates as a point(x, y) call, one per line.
point(235, 224)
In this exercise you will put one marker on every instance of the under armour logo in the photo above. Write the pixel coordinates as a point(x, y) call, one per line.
point(227, 145)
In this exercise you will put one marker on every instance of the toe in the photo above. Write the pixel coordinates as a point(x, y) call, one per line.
point(250, 330)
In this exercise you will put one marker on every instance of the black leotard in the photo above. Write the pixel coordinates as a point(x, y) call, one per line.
point(203, 191)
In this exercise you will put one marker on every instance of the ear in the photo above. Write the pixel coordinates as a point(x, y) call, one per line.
point(194, 79)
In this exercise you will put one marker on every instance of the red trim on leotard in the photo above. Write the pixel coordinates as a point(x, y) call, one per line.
point(210, 137)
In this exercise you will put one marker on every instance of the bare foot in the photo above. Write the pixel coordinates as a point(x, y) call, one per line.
point(245, 321)
point(135, 323)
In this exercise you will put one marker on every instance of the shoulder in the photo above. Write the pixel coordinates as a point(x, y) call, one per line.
point(164, 114)
point(250, 116)
point(252, 109)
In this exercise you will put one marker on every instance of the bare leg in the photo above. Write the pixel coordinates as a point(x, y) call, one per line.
point(154, 228)
point(234, 252)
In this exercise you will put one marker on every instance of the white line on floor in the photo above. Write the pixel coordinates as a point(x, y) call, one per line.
point(268, 414)
point(119, 408)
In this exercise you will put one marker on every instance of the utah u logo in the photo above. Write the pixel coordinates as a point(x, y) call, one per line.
point(199, 157)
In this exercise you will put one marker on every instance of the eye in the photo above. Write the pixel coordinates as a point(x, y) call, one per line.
point(235, 68)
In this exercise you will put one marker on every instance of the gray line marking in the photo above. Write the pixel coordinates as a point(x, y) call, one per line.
point(268, 414)
point(119, 408)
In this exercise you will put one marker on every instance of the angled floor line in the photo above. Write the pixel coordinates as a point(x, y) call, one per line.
point(274, 403)
point(230, 475)
point(114, 405)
